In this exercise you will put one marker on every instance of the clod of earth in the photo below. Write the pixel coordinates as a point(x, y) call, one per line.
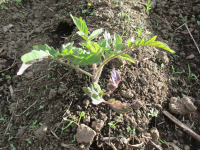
point(85, 134)
point(52, 93)
point(40, 133)
point(154, 134)
point(163, 57)
point(118, 119)
point(97, 125)
point(127, 94)
point(182, 106)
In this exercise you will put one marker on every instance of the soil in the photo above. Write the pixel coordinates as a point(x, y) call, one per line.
point(32, 106)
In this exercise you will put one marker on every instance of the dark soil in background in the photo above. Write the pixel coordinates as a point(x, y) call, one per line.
point(47, 90)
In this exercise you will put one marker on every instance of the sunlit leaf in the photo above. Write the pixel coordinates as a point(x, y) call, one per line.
point(45, 47)
point(95, 34)
point(33, 57)
point(152, 42)
point(95, 93)
point(129, 43)
point(126, 57)
point(81, 25)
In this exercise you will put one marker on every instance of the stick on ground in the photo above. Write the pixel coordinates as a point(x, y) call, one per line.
point(186, 129)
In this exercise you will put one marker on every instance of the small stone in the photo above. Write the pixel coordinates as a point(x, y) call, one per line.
point(182, 106)
point(138, 105)
point(86, 119)
point(97, 125)
point(186, 147)
point(163, 57)
point(193, 20)
point(86, 102)
point(118, 119)
point(85, 134)
point(52, 93)
point(20, 132)
point(103, 116)
point(61, 90)
point(126, 94)
point(139, 129)
point(8, 27)
point(179, 133)
point(40, 133)
point(143, 81)
point(154, 134)
point(28, 75)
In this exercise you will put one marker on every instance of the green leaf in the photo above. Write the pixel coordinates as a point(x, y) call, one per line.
point(117, 39)
point(107, 37)
point(33, 57)
point(87, 60)
point(129, 43)
point(95, 34)
point(80, 33)
point(45, 47)
point(126, 57)
point(92, 46)
point(66, 48)
point(117, 42)
point(152, 42)
point(81, 25)
point(160, 45)
point(95, 92)
point(104, 46)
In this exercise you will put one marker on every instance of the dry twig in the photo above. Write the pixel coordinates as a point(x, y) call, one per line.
point(157, 146)
point(185, 128)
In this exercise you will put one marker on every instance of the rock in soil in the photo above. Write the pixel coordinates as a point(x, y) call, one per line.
point(154, 134)
point(52, 93)
point(182, 106)
point(126, 94)
point(85, 134)
point(97, 125)
point(40, 133)
point(163, 57)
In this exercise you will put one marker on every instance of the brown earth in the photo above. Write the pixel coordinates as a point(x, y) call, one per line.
point(32, 106)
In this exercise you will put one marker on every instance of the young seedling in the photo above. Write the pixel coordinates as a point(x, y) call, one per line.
point(153, 113)
point(190, 75)
point(33, 126)
point(98, 54)
point(148, 6)
point(173, 71)
point(128, 129)
point(74, 120)
point(112, 123)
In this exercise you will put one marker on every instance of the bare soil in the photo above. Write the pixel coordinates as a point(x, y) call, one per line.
point(32, 106)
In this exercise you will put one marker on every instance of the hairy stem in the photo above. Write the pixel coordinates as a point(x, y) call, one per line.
point(77, 68)
point(97, 76)
point(110, 58)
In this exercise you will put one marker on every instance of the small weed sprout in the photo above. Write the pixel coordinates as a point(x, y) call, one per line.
point(148, 6)
point(112, 123)
point(173, 71)
point(198, 23)
point(128, 129)
point(190, 75)
point(98, 54)
point(33, 126)
point(153, 113)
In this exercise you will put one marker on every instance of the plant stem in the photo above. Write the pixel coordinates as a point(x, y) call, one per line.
point(77, 68)
point(96, 76)
point(109, 59)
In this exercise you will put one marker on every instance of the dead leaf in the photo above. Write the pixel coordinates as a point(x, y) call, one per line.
point(190, 56)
